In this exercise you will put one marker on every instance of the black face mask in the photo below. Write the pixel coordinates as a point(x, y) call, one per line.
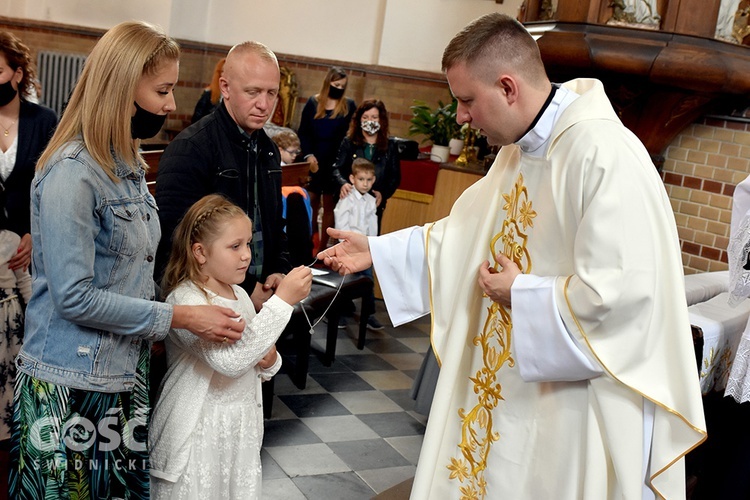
point(145, 124)
point(7, 93)
point(335, 92)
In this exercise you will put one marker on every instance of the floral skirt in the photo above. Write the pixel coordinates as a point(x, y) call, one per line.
point(71, 443)
point(11, 338)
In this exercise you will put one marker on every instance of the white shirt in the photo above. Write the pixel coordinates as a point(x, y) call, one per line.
point(356, 213)
point(8, 159)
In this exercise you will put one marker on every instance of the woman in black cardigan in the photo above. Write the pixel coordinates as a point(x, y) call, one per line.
point(368, 138)
point(25, 129)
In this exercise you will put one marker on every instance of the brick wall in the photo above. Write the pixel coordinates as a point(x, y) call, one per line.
point(397, 88)
point(703, 165)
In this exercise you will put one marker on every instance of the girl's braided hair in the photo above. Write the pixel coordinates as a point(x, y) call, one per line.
point(202, 223)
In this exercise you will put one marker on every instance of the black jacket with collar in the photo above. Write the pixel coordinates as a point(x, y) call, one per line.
point(214, 156)
point(35, 127)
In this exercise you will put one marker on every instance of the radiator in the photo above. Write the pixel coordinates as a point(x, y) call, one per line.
point(58, 74)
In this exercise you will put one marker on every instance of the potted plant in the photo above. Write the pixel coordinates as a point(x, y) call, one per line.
point(436, 125)
point(456, 144)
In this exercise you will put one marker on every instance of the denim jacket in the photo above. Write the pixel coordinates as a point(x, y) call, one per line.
point(92, 303)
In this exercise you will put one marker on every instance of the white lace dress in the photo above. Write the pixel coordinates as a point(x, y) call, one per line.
point(738, 385)
point(207, 427)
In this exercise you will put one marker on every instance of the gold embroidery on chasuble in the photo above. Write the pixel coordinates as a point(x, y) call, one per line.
point(477, 433)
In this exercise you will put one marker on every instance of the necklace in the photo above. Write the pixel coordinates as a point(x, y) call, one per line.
point(7, 129)
point(309, 323)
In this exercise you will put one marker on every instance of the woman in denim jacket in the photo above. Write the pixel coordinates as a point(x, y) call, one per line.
point(81, 403)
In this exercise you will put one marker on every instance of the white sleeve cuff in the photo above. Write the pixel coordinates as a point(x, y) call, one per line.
point(400, 264)
point(544, 349)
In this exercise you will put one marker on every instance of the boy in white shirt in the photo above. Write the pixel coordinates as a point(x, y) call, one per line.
point(356, 213)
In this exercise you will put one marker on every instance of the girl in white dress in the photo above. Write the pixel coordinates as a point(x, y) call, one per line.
point(207, 427)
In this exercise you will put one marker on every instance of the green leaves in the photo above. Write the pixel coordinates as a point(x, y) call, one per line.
point(437, 125)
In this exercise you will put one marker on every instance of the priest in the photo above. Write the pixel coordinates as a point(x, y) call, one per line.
point(556, 292)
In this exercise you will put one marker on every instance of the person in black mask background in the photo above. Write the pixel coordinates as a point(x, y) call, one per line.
point(92, 315)
point(324, 123)
point(25, 129)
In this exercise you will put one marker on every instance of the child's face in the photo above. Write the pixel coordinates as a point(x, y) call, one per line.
point(226, 258)
point(289, 154)
point(362, 181)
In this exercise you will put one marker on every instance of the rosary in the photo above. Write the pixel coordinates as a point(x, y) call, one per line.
point(313, 325)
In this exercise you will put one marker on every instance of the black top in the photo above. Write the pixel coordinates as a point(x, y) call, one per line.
point(214, 156)
point(204, 106)
point(321, 137)
point(36, 124)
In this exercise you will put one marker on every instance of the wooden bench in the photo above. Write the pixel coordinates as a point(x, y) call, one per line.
point(294, 174)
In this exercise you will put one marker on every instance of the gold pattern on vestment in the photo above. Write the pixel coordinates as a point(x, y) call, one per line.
point(477, 433)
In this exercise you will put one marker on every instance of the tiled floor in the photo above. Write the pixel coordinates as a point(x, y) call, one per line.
point(352, 432)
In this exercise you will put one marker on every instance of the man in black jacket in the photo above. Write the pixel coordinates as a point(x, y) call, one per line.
point(228, 152)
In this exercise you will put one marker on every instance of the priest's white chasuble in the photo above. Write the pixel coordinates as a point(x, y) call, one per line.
point(591, 219)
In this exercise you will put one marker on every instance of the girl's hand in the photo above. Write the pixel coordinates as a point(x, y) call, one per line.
point(264, 291)
point(296, 285)
point(273, 281)
point(269, 359)
point(378, 198)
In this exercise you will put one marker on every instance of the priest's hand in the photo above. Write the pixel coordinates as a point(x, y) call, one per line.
point(352, 254)
point(496, 283)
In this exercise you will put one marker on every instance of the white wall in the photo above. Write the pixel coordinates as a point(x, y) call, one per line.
point(321, 28)
point(417, 31)
point(91, 13)
point(399, 33)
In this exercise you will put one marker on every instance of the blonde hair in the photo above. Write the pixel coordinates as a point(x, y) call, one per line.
point(202, 223)
point(100, 107)
point(363, 165)
point(334, 74)
point(250, 47)
point(286, 139)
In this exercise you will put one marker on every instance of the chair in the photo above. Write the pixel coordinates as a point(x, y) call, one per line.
point(298, 216)
point(295, 174)
point(323, 293)
point(321, 296)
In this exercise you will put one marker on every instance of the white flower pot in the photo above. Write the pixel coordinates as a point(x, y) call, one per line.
point(440, 154)
point(456, 145)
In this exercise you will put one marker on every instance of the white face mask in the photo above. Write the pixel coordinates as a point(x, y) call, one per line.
point(370, 127)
